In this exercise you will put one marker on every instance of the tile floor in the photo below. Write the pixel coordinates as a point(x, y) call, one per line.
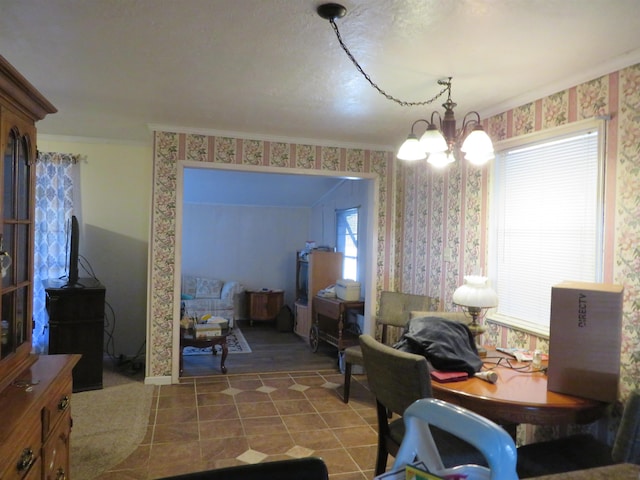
point(213, 422)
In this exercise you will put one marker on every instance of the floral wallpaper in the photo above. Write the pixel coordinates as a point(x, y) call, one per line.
point(627, 226)
point(444, 215)
point(432, 225)
point(171, 148)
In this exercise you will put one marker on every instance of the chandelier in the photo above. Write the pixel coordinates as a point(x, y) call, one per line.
point(441, 141)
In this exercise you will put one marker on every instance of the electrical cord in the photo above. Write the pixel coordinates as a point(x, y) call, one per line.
point(132, 365)
point(506, 363)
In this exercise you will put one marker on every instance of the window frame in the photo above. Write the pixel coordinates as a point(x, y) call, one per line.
point(595, 124)
point(345, 212)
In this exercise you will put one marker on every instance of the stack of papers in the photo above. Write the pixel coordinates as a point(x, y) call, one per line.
point(521, 354)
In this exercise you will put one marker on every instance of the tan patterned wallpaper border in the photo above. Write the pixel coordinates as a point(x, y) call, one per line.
point(171, 148)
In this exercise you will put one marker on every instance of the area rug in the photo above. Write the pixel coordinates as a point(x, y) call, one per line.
point(108, 425)
point(236, 343)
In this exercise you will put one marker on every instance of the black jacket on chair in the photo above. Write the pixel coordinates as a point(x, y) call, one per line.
point(448, 345)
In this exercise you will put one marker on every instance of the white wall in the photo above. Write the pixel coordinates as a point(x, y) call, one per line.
point(251, 244)
point(115, 200)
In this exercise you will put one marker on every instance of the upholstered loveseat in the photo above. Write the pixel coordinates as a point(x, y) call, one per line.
point(202, 295)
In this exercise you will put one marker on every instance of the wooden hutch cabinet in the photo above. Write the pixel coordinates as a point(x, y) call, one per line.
point(315, 271)
point(35, 391)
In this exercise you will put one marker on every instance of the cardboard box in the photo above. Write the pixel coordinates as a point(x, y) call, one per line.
point(348, 290)
point(204, 331)
point(584, 340)
point(214, 327)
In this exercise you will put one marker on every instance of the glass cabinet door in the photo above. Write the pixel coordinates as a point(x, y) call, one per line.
point(15, 241)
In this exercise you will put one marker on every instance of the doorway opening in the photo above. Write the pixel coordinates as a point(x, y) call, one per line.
point(247, 225)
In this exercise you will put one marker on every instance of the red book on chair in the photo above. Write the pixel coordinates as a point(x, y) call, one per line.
point(444, 377)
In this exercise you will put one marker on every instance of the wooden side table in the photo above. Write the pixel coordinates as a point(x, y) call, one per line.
point(264, 304)
point(329, 322)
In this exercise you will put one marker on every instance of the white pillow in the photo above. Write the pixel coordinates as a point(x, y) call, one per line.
point(208, 288)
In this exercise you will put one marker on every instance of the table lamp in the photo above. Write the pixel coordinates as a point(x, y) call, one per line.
point(475, 296)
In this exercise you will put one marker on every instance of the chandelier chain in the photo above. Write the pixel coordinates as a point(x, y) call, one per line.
point(374, 85)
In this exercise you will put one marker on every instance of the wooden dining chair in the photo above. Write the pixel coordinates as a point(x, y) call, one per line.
point(394, 312)
point(397, 379)
point(582, 451)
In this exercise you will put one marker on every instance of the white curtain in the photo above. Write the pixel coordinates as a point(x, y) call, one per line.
point(57, 176)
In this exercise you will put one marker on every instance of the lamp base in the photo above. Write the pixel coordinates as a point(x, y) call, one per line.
point(476, 329)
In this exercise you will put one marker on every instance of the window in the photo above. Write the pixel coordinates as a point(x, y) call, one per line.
point(547, 220)
point(347, 241)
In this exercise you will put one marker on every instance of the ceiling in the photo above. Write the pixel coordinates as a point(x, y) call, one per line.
point(229, 187)
point(274, 69)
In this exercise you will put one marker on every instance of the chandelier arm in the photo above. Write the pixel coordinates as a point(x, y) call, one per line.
point(374, 85)
point(434, 114)
point(418, 121)
point(467, 122)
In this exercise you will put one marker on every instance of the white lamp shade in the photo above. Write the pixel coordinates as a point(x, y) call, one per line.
point(441, 159)
point(433, 141)
point(475, 292)
point(411, 149)
point(477, 142)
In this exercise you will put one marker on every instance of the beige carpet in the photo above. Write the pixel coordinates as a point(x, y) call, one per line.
point(108, 424)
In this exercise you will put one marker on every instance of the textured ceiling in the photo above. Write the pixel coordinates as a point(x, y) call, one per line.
point(274, 69)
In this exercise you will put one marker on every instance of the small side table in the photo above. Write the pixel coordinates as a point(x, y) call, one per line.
point(264, 304)
point(188, 339)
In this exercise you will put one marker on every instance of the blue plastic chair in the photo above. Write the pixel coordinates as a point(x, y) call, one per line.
point(492, 440)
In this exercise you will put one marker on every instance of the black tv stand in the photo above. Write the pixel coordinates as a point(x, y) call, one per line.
point(76, 325)
point(72, 285)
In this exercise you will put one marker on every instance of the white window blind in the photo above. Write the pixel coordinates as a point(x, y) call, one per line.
point(548, 220)
point(347, 241)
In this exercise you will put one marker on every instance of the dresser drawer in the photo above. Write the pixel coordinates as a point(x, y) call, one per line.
point(56, 407)
point(21, 456)
point(55, 452)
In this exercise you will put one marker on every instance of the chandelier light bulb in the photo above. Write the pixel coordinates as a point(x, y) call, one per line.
point(477, 141)
point(411, 149)
point(440, 159)
point(433, 141)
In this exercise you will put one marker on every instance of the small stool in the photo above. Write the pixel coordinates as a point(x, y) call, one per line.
point(352, 355)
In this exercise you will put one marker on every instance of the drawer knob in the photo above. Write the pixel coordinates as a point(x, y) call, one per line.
point(26, 460)
point(64, 403)
point(60, 475)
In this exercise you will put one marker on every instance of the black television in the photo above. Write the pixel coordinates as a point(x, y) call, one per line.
point(302, 293)
point(74, 243)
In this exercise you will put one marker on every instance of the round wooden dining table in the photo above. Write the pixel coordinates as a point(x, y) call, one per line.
point(519, 395)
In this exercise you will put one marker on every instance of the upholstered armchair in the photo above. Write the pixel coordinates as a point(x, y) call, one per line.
point(202, 295)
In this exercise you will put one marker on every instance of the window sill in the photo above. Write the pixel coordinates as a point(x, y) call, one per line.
point(519, 324)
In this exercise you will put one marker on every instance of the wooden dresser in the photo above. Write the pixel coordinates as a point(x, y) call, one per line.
point(35, 391)
point(36, 420)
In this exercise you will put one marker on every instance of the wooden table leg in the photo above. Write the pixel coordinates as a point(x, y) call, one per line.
point(203, 343)
point(225, 351)
point(181, 361)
